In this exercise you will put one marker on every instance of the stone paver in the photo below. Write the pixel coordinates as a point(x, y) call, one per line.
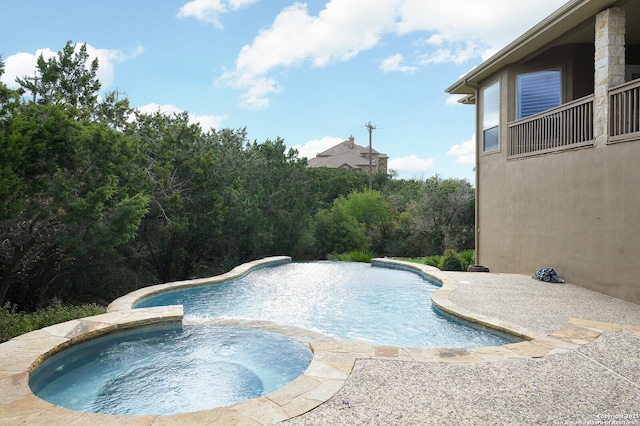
point(582, 358)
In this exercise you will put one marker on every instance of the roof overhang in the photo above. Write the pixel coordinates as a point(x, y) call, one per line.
point(563, 21)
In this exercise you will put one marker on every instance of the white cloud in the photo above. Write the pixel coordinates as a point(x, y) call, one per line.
point(239, 4)
point(316, 146)
point(107, 58)
point(457, 53)
point(454, 99)
point(255, 89)
point(209, 11)
point(24, 64)
point(455, 33)
point(206, 121)
point(411, 165)
point(392, 63)
point(465, 152)
point(339, 32)
point(205, 11)
point(494, 22)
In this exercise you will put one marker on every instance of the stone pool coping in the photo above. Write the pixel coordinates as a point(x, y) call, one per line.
point(331, 365)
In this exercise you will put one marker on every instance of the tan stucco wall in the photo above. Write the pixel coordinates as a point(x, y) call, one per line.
point(576, 211)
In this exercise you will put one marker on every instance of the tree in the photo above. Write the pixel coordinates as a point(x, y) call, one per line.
point(328, 184)
point(9, 153)
point(444, 213)
point(67, 79)
point(185, 207)
point(337, 231)
point(69, 191)
point(72, 196)
point(266, 193)
point(368, 207)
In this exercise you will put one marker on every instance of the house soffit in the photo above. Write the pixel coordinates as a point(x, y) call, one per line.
point(572, 23)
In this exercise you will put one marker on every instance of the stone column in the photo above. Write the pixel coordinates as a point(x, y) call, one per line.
point(609, 67)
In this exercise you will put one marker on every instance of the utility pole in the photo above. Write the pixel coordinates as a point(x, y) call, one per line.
point(35, 79)
point(117, 93)
point(371, 128)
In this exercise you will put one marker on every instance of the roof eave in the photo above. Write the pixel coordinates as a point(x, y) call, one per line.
point(555, 25)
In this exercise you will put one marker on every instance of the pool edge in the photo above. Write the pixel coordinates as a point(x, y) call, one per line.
point(330, 367)
point(128, 301)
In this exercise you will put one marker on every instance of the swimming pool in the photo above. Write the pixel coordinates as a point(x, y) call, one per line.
point(169, 369)
point(343, 300)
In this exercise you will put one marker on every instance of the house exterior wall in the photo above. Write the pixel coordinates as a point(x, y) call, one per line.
point(575, 211)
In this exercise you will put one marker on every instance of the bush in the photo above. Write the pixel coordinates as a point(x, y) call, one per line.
point(433, 261)
point(14, 323)
point(467, 257)
point(451, 262)
point(353, 256)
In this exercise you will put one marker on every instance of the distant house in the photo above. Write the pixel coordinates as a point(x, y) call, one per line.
point(349, 155)
point(558, 148)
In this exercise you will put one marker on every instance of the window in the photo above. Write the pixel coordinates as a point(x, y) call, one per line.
point(491, 117)
point(632, 72)
point(538, 91)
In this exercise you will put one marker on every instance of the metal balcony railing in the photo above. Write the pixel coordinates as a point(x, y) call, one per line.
point(565, 127)
point(624, 112)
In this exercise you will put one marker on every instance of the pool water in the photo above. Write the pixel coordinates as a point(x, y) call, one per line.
point(344, 300)
point(170, 369)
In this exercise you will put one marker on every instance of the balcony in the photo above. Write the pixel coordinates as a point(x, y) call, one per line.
point(566, 127)
point(624, 112)
point(571, 125)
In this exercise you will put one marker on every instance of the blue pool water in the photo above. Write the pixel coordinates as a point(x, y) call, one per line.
point(168, 370)
point(344, 300)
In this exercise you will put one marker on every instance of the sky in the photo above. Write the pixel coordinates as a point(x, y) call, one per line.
point(313, 73)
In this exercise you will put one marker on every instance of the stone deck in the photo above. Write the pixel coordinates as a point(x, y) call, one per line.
point(348, 381)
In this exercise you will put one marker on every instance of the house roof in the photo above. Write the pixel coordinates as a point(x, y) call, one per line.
point(344, 154)
point(572, 23)
point(343, 147)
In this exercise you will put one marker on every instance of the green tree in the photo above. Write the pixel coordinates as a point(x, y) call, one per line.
point(9, 152)
point(69, 191)
point(443, 214)
point(69, 79)
point(71, 197)
point(266, 196)
point(185, 208)
point(337, 231)
point(327, 184)
point(368, 207)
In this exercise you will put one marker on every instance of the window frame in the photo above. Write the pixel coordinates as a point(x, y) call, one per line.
point(490, 108)
point(519, 107)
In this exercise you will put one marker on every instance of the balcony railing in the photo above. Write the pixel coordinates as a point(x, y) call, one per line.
point(624, 112)
point(568, 126)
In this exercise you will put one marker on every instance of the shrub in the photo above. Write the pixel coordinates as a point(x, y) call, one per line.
point(451, 262)
point(14, 323)
point(467, 257)
point(433, 261)
point(353, 256)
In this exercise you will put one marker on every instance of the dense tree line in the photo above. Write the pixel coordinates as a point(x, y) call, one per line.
point(97, 199)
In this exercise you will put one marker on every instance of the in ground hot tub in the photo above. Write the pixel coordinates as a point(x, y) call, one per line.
point(170, 369)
